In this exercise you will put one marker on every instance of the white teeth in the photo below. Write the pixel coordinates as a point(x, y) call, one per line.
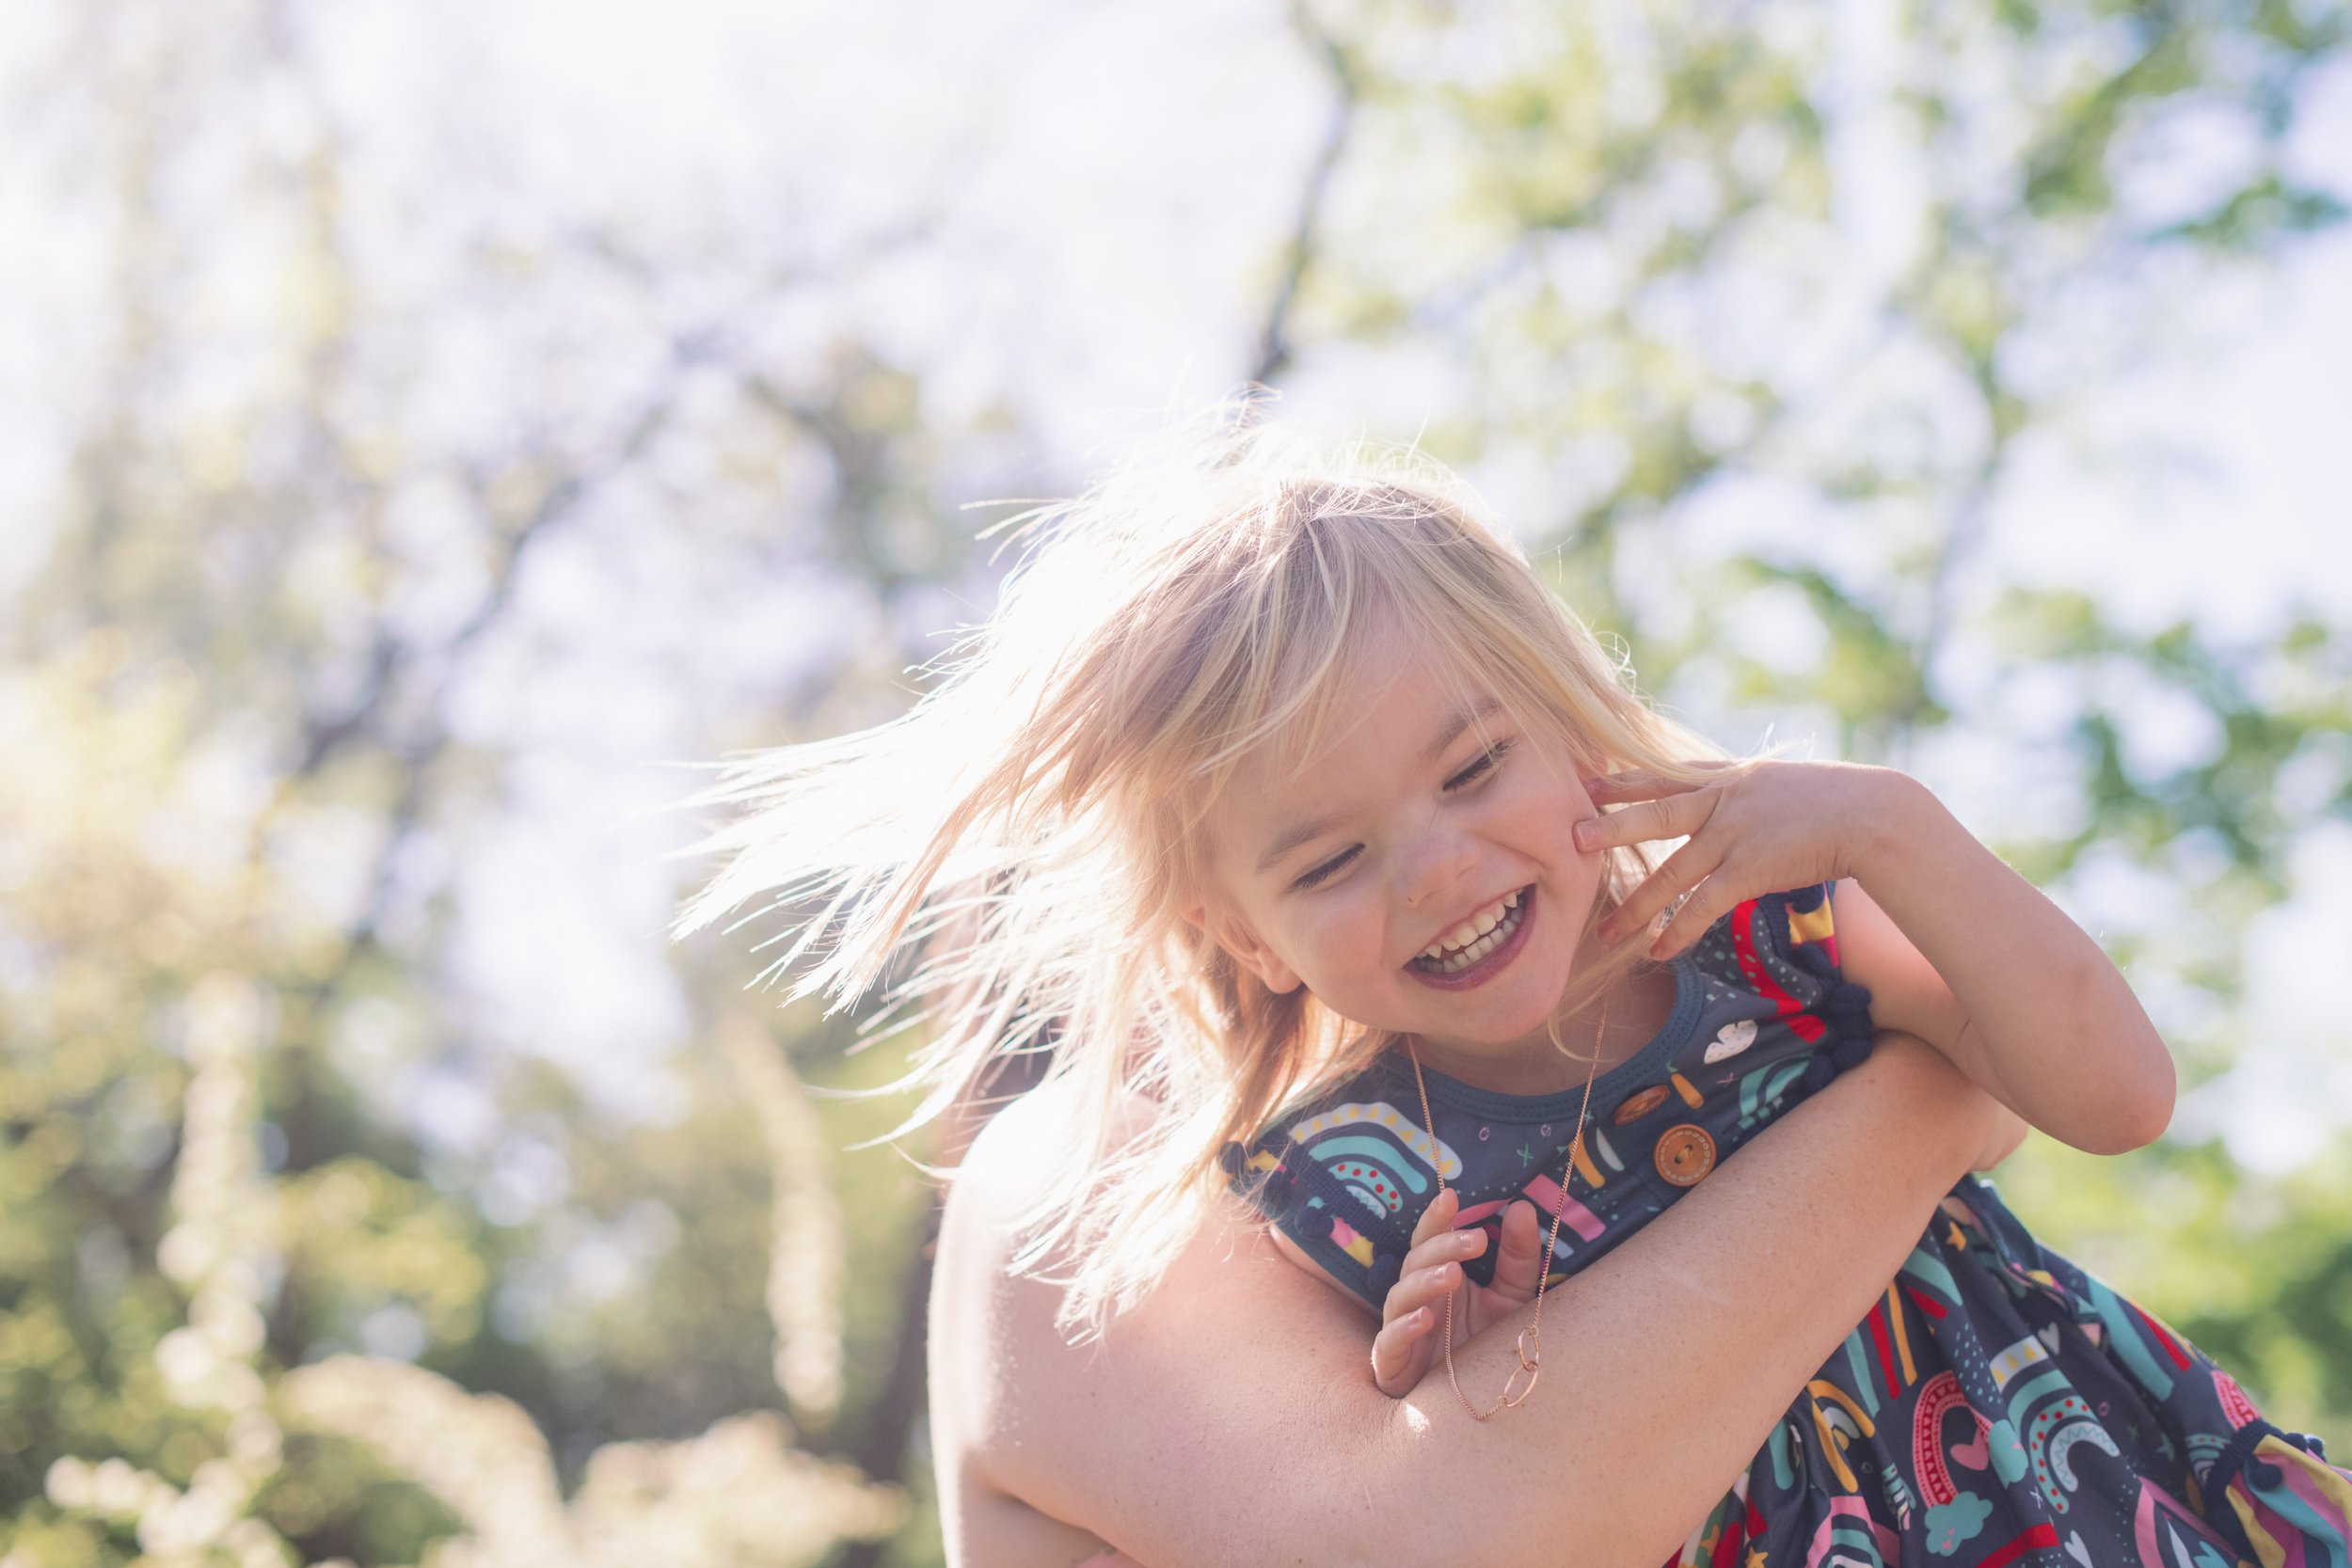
point(1474, 938)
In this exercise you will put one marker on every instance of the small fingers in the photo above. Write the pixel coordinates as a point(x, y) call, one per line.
point(1634, 783)
point(1676, 816)
point(1419, 1287)
point(1519, 1260)
point(1437, 1219)
point(1449, 1246)
point(1682, 871)
point(1399, 1351)
point(1709, 902)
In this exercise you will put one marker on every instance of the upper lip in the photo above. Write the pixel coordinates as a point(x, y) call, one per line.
point(1441, 931)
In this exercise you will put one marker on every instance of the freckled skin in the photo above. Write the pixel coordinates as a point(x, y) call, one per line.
point(1422, 844)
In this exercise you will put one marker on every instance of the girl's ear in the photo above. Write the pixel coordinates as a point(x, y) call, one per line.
point(1242, 946)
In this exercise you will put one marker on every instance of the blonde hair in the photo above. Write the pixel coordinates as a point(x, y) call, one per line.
point(1045, 799)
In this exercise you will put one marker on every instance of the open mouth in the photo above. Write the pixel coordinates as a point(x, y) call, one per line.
point(1479, 945)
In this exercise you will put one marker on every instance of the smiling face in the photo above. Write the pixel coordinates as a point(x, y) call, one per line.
point(1417, 871)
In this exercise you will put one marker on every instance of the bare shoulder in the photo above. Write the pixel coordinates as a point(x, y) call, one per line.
point(997, 1350)
point(1236, 1354)
point(997, 1360)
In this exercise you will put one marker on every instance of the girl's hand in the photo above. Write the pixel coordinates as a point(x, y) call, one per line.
point(1762, 827)
point(1413, 1319)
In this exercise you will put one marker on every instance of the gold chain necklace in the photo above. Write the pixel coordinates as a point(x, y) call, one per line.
point(1531, 1343)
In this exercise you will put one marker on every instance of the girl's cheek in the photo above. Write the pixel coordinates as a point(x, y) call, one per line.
point(1351, 936)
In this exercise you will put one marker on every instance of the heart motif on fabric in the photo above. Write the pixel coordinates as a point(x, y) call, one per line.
point(1973, 1454)
point(2049, 1336)
point(1731, 1039)
point(2076, 1549)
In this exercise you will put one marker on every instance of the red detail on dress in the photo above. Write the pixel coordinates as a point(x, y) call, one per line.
point(2234, 1404)
point(1887, 1352)
point(2043, 1534)
point(2171, 1346)
point(1801, 1024)
point(1925, 1302)
point(1727, 1545)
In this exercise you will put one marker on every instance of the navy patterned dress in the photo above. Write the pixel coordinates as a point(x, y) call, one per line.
point(1999, 1407)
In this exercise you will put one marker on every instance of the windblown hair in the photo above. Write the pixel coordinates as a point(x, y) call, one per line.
point(1046, 801)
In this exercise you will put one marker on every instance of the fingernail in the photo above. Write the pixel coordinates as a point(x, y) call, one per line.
point(1607, 930)
point(1585, 833)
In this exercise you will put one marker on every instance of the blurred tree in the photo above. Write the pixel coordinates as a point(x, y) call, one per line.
point(313, 1249)
point(1837, 267)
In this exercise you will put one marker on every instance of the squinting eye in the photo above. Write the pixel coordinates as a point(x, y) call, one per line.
point(1485, 764)
point(1327, 869)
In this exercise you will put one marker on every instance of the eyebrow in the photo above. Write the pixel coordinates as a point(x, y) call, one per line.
point(1298, 833)
point(1486, 708)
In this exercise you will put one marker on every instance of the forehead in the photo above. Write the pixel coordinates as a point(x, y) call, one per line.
point(1390, 707)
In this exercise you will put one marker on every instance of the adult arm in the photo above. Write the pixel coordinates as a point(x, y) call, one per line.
point(1229, 1417)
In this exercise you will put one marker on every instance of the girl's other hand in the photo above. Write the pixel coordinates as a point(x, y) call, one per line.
point(1413, 1319)
point(1762, 827)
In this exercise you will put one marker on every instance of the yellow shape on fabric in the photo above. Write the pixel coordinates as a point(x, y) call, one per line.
point(1833, 1447)
point(1360, 1248)
point(1811, 924)
point(1263, 1160)
point(1833, 1435)
point(1903, 1340)
point(1822, 1388)
point(1584, 1166)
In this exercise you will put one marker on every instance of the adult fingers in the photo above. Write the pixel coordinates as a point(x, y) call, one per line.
point(1672, 816)
point(1400, 1353)
point(1682, 871)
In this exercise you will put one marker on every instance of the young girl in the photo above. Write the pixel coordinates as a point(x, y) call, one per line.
point(1270, 799)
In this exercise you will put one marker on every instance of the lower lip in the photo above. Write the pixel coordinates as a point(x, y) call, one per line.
point(1492, 964)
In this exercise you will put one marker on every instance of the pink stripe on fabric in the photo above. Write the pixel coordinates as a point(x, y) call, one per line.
point(1547, 1197)
point(2304, 1482)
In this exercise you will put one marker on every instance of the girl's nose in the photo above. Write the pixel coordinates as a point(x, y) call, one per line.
point(1435, 866)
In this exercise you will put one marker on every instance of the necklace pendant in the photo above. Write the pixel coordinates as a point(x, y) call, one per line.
point(1531, 1349)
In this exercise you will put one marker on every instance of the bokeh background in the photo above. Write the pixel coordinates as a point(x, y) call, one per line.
point(428, 429)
